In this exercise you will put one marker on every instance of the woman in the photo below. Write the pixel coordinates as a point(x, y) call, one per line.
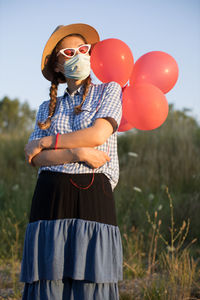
point(72, 247)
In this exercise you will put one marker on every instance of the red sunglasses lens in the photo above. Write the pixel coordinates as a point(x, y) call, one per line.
point(69, 52)
point(83, 49)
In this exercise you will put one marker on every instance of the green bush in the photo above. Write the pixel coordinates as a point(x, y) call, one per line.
point(152, 160)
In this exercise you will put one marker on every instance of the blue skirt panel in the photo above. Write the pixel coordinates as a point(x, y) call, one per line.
point(70, 289)
point(76, 248)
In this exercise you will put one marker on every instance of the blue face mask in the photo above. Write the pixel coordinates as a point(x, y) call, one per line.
point(77, 67)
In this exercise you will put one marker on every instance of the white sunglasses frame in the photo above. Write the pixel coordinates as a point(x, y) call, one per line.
point(76, 49)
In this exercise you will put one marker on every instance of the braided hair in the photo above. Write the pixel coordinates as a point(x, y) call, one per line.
point(87, 83)
point(52, 105)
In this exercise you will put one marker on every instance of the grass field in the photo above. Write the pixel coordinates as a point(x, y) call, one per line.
point(158, 208)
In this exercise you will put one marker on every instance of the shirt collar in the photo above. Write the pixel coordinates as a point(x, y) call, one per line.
point(79, 91)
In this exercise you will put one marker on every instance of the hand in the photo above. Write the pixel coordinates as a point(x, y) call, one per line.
point(92, 157)
point(32, 149)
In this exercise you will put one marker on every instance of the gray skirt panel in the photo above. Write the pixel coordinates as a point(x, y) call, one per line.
point(80, 249)
point(70, 289)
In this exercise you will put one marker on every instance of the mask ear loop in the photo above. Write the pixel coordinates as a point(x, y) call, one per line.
point(87, 187)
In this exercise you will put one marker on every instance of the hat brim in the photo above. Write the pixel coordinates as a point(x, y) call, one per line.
point(88, 32)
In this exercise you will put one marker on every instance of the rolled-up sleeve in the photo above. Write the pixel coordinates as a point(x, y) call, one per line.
point(111, 105)
point(41, 116)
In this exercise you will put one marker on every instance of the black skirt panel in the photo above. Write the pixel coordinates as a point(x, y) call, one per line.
point(55, 197)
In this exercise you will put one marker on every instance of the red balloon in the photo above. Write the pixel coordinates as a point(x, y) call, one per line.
point(144, 106)
point(157, 68)
point(124, 125)
point(112, 60)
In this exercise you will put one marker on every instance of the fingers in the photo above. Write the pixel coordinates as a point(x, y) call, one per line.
point(101, 161)
point(103, 158)
point(105, 155)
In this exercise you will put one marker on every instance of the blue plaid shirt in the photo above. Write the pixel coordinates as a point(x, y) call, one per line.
point(103, 100)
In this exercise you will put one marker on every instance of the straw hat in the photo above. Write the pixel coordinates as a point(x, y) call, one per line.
point(88, 32)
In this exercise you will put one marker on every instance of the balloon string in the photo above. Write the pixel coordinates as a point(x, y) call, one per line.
point(81, 187)
point(108, 195)
point(108, 149)
point(124, 87)
point(87, 187)
point(100, 99)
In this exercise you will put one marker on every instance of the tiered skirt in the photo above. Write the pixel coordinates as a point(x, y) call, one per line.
point(72, 245)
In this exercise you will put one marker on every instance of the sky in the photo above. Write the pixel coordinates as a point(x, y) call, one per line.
point(172, 26)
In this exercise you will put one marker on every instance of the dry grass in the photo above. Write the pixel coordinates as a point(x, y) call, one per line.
point(171, 274)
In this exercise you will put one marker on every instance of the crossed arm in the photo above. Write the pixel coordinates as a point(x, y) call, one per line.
point(72, 147)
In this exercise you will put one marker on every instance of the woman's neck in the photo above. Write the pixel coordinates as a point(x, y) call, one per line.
point(73, 84)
